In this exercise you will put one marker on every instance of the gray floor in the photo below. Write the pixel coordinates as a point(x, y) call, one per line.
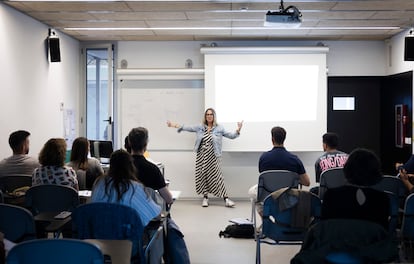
point(201, 227)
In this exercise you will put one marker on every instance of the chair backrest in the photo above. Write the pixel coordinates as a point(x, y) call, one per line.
point(393, 213)
point(394, 185)
point(366, 241)
point(16, 223)
point(51, 251)
point(81, 176)
point(10, 183)
point(108, 221)
point(51, 198)
point(272, 180)
point(407, 227)
point(279, 214)
point(331, 178)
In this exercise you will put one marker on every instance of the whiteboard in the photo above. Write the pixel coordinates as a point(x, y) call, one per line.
point(150, 104)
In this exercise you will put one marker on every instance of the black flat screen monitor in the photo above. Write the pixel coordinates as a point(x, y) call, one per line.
point(409, 48)
point(101, 149)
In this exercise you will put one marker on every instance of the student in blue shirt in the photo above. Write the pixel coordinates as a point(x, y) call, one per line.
point(121, 186)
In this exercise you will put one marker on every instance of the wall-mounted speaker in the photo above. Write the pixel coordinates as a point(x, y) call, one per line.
point(409, 48)
point(54, 48)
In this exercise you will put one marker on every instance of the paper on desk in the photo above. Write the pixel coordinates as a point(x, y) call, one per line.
point(85, 193)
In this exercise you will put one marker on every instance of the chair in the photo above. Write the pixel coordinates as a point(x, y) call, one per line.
point(331, 178)
point(407, 227)
point(270, 181)
point(347, 241)
point(115, 221)
point(119, 251)
point(8, 184)
point(46, 201)
point(393, 213)
point(81, 176)
point(51, 251)
point(16, 223)
point(394, 185)
point(51, 198)
point(287, 215)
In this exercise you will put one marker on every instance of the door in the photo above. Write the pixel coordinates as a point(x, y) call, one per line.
point(99, 92)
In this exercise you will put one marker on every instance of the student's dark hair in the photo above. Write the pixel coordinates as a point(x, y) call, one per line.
point(79, 152)
point(121, 173)
point(278, 135)
point(331, 140)
point(17, 138)
point(363, 167)
point(138, 138)
point(53, 152)
point(126, 145)
point(214, 115)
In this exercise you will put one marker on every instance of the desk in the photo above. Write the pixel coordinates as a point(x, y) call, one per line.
point(119, 250)
point(53, 225)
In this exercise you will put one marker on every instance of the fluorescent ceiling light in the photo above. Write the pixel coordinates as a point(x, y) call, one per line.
point(220, 28)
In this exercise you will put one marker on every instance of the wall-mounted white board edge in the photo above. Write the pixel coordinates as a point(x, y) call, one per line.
point(150, 103)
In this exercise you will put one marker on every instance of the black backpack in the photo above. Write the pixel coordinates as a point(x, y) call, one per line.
point(238, 231)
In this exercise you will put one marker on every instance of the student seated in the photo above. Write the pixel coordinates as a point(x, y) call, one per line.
point(20, 163)
point(120, 185)
point(356, 200)
point(79, 160)
point(53, 169)
point(332, 158)
point(406, 172)
point(278, 158)
point(147, 172)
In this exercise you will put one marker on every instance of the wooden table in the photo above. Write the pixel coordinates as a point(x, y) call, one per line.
point(119, 250)
point(53, 225)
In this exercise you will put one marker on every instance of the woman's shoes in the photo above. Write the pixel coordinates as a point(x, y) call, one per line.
point(229, 203)
point(205, 202)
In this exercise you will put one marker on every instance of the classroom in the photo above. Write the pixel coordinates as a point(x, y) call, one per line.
point(49, 99)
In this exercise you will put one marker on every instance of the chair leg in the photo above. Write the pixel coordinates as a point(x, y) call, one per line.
point(258, 260)
point(253, 209)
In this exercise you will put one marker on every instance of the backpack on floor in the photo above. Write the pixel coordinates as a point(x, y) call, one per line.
point(238, 231)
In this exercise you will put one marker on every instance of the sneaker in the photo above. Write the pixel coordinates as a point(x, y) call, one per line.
point(205, 202)
point(229, 203)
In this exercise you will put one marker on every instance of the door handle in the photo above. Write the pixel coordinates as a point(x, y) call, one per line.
point(109, 120)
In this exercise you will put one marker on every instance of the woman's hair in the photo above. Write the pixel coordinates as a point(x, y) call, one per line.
point(126, 145)
point(214, 115)
point(363, 168)
point(79, 152)
point(53, 152)
point(121, 172)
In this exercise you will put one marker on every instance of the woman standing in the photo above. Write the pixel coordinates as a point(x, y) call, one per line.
point(79, 161)
point(208, 175)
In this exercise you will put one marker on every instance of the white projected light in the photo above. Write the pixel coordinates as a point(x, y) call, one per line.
point(267, 87)
point(266, 93)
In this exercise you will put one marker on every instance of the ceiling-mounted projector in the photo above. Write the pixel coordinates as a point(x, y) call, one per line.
point(289, 17)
